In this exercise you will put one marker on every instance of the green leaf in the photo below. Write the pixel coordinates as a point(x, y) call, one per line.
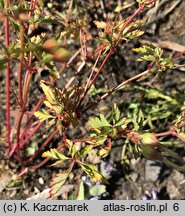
point(49, 21)
point(113, 132)
point(2, 4)
point(48, 90)
point(133, 34)
point(92, 172)
point(140, 117)
point(59, 126)
point(155, 54)
point(116, 112)
point(167, 63)
point(14, 24)
point(142, 49)
point(3, 60)
point(181, 135)
point(47, 103)
point(99, 122)
point(58, 181)
point(57, 163)
point(97, 141)
point(103, 152)
point(42, 115)
point(51, 122)
point(81, 192)
point(84, 151)
point(123, 123)
point(174, 165)
point(53, 71)
point(58, 108)
point(32, 149)
point(97, 190)
point(54, 153)
point(171, 153)
point(71, 146)
point(147, 58)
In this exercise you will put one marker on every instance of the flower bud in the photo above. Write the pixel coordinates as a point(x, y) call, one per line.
point(151, 153)
point(50, 45)
point(149, 139)
point(182, 135)
point(24, 16)
point(62, 55)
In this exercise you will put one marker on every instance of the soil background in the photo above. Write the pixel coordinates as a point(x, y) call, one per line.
point(166, 27)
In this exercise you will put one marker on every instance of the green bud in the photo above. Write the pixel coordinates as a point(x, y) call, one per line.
point(149, 139)
point(182, 135)
point(151, 153)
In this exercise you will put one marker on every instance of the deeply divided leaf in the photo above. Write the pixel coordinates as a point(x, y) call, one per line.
point(58, 181)
point(92, 172)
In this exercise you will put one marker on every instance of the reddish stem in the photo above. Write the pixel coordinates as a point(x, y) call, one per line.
point(93, 104)
point(88, 84)
point(101, 47)
point(33, 168)
point(7, 42)
point(178, 55)
point(21, 65)
point(42, 147)
point(82, 140)
point(21, 145)
point(23, 91)
point(112, 49)
point(171, 132)
point(128, 22)
point(18, 139)
point(163, 134)
point(31, 117)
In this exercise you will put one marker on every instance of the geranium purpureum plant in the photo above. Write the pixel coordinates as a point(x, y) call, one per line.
point(63, 108)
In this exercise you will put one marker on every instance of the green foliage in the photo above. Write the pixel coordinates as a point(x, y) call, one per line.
point(81, 192)
point(32, 148)
point(92, 172)
point(2, 4)
point(156, 55)
point(53, 153)
point(118, 31)
point(104, 127)
point(58, 181)
point(61, 104)
point(97, 190)
point(99, 122)
point(86, 192)
point(43, 115)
